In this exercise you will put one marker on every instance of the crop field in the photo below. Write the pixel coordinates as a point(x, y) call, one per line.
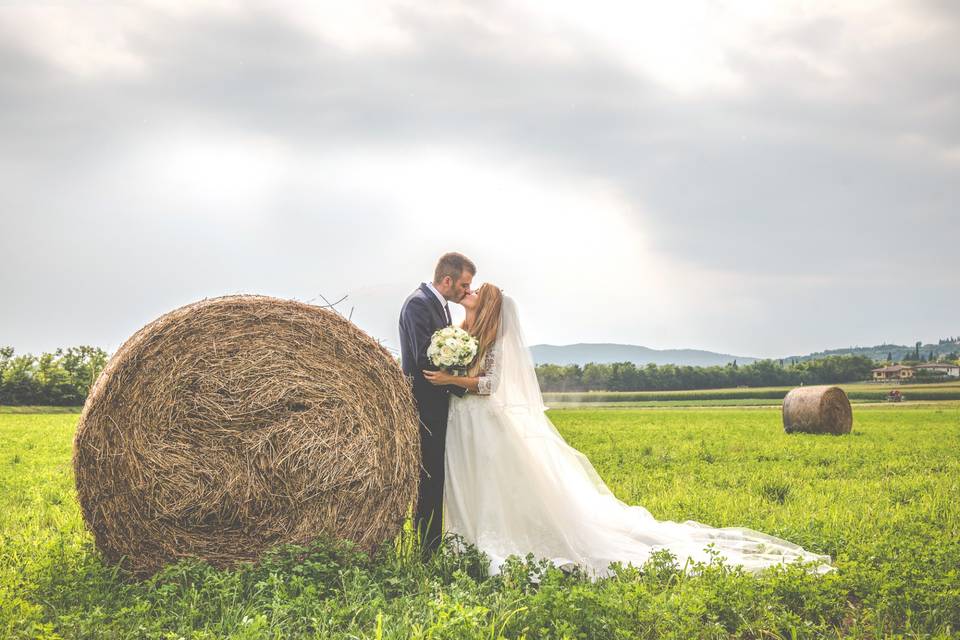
point(857, 392)
point(882, 501)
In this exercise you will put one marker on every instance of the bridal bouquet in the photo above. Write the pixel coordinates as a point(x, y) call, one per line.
point(452, 348)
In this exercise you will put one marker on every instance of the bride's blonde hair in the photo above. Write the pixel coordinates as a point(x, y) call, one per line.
point(487, 323)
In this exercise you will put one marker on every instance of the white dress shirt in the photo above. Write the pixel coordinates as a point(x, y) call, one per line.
point(443, 301)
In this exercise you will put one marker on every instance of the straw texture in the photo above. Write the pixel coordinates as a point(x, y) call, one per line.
point(817, 409)
point(234, 424)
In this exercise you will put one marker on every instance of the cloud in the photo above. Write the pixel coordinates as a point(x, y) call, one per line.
point(715, 176)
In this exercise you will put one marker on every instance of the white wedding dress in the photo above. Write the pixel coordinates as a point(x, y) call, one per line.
point(514, 486)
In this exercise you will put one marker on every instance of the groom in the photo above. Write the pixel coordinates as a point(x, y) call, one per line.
point(424, 312)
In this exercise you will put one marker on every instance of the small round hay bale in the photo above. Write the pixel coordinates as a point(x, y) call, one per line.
point(234, 424)
point(817, 409)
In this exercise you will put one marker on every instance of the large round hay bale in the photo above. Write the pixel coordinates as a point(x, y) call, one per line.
point(818, 409)
point(238, 423)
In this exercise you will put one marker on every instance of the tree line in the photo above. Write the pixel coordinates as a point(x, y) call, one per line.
point(64, 377)
point(626, 376)
point(916, 356)
point(59, 379)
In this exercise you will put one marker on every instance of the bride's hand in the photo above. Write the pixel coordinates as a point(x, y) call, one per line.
point(438, 378)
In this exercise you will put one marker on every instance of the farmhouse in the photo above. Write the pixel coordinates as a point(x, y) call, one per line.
point(943, 368)
point(895, 372)
point(901, 372)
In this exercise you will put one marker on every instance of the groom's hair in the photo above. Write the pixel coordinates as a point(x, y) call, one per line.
point(452, 264)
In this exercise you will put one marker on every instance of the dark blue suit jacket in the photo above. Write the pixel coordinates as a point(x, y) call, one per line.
point(422, 315)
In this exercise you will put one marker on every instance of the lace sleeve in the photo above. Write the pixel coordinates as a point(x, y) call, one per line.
point(489, 374)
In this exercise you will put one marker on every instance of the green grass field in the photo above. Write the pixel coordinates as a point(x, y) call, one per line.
point(882, 501)
point(28, 409)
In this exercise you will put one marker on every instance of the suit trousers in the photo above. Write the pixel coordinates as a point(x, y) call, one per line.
point(433, 436)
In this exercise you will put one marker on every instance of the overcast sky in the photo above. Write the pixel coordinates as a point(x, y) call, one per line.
point(758, 178)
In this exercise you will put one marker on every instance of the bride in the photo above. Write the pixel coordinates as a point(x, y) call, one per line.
point(514, 486)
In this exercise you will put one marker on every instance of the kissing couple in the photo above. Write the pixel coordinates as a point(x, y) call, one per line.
point(497, 473)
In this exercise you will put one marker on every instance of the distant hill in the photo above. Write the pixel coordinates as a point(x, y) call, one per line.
point(882, 352)
point(603, 353)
